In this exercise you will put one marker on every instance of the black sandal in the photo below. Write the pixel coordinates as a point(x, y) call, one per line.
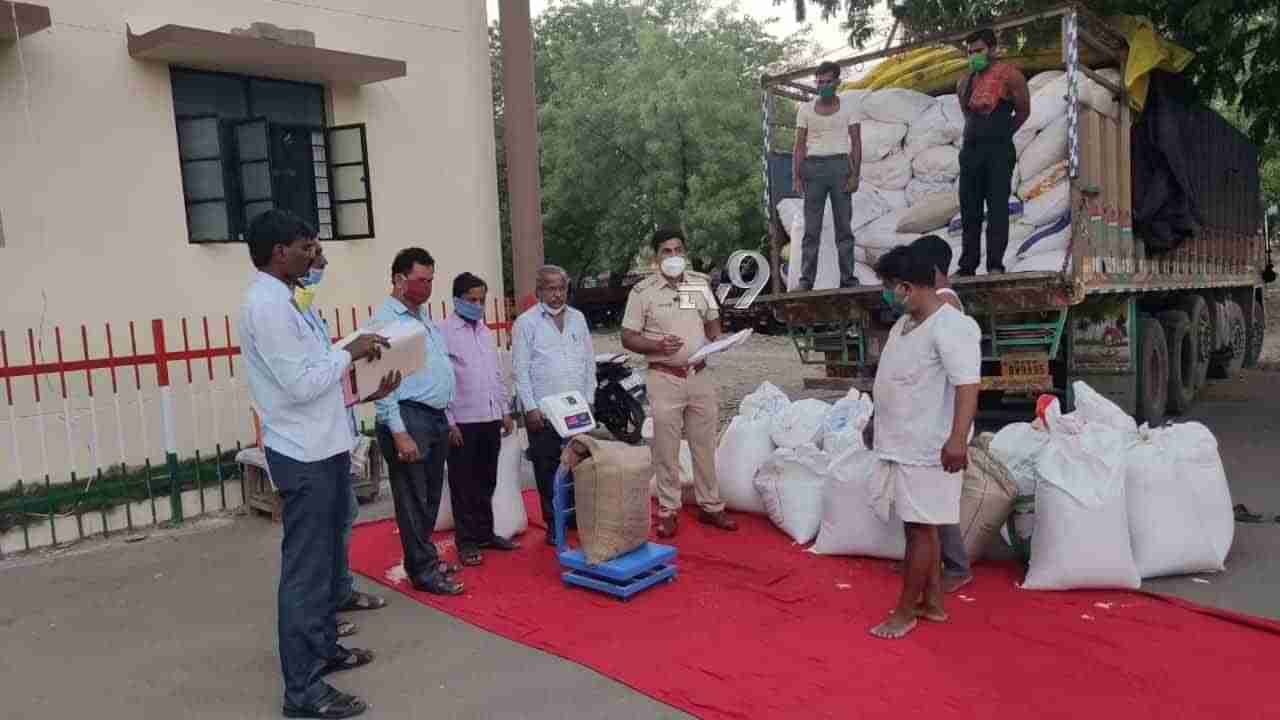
point(363, 601)
point(355, 658)
point(438, 584)
point(335, 706)
point(470, 557)
point(346, 628)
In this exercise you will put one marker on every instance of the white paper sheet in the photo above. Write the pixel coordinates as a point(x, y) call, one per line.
point(724, 343)
point(407, 355)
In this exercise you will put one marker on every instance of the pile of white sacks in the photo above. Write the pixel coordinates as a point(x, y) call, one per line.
point(910, 178)
point(1102, 502)
point(1105, 503)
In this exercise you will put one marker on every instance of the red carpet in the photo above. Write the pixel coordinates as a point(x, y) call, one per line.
point(756, 628)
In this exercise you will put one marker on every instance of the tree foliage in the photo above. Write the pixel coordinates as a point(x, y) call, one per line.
point(649, 114)
point(1237, 55)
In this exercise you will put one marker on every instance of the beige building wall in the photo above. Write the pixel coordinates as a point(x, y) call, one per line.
point(91, 198)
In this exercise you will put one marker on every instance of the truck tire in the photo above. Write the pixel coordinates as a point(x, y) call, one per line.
point(1257, 334)
point(1182, 360)
point(1228, 361)
point(1153, 372)
point(1202, 335)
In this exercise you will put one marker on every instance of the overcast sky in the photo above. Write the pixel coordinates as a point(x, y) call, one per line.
point(826, 35)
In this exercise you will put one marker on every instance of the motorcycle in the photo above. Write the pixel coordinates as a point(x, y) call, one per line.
point(620, 397)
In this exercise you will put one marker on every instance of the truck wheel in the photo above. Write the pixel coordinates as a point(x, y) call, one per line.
point(1153, 372)
point(1230, 359)
point(1202, 335)
point(1182, 360)
point(1257, 334)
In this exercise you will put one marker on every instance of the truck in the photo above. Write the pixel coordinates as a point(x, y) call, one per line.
point(1141, 319)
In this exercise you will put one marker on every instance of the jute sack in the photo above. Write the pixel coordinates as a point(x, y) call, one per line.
point(986, 500)
point(611, 489)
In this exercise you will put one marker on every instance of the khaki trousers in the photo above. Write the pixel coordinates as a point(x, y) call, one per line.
point(686, 408)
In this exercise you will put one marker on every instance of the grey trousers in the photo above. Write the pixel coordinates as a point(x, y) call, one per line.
point(826, 176)
point(955, 560)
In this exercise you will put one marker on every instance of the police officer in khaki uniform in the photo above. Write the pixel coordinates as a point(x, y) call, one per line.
point(667, 325)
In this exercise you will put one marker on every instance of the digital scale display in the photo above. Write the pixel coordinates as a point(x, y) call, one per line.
point(576, 421)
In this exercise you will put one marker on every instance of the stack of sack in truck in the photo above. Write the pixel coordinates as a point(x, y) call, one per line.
point(910, 179)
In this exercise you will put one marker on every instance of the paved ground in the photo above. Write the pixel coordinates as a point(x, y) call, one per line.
point(181, 624)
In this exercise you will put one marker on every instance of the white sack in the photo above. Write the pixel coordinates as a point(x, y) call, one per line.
point(799, 424)
point(1043, 262)
point(880, 138)
point(1094, 95)
point(869, 205)
point(1049, 147)
point(509, 515)
point(766, 402)
point(1050, 206)
point(897, 199)
point(745, 446)
point(1046, 107)
point(895, 105)
point(1180, 514)
point(1081, 535)
point(937, 164)
point(853, 99)
point(1097, 411)
point(1038, 82)
point(1047, 179)
point(850, 525)
point(891, 173)
point(843, 427)
point(919, 191)
point(883, 233)
point(1050, 238)
point(1018, 446)
point(933, 129)
point(866, 275)
point(791, 484)
point(950, 105)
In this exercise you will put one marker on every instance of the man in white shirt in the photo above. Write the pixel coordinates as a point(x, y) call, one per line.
point(551, 353)
point(926, 394)
point(827, 163)
point(294, 378)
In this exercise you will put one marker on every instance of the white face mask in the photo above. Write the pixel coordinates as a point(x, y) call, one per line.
point(554, 310)
point(673, 267)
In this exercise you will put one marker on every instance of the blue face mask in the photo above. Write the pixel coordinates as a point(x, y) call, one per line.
point(312, 278)
point(469, 311)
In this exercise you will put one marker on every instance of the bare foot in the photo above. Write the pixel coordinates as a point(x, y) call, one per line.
point(895, 627)
point(932, 614)
point(952, 584)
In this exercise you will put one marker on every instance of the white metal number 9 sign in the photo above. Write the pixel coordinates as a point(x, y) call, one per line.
point(734, 267)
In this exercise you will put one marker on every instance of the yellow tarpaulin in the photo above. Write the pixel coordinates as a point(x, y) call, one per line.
point(937, 69)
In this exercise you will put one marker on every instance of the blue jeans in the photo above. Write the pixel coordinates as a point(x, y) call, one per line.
point(316, 498)
point(347, 581)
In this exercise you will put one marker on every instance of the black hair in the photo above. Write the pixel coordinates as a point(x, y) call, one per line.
point(272, 228)
point(664, 234)
point(904, 264)
point(408, 257)
point(936, 251)
point(466, 282)
point(986, 35)
point(828, 68)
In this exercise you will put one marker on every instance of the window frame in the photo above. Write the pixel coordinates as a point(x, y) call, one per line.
point(367, 180)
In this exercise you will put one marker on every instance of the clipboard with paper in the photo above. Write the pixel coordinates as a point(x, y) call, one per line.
point(407, 355)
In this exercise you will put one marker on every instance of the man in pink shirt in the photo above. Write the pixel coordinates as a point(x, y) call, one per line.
point(479, 417)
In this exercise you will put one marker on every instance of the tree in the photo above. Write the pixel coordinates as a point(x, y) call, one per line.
point(1237, 58)
point(649, 114)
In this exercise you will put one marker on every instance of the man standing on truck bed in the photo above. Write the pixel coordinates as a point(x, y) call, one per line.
point(827, 162)
point(996, 102)
point(667, 323)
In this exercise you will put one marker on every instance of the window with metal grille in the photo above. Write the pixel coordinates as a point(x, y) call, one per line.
point(246, 145)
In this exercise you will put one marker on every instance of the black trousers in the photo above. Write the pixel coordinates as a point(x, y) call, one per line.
point(986, 173)
point(416, 487)
point(473, 476)
point(544, 451)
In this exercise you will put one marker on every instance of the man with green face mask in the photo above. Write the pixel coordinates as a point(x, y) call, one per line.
point(996, 102)
point(827, 163)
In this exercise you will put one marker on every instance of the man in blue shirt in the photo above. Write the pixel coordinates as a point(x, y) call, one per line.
point(294, 379)
point(413, 430)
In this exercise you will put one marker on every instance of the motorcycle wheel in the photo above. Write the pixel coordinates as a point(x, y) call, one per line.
point(620, 412)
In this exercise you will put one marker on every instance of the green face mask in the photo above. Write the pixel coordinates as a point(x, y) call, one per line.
point(897, 306)
point(827, 91)
point(979, 62)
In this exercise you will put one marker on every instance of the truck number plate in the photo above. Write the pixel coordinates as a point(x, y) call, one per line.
point(1022, 372)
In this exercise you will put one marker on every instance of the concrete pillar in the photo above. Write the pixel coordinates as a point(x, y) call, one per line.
point(520, 114)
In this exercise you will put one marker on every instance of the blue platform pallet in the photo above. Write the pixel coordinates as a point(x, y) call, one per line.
point(623, 576)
